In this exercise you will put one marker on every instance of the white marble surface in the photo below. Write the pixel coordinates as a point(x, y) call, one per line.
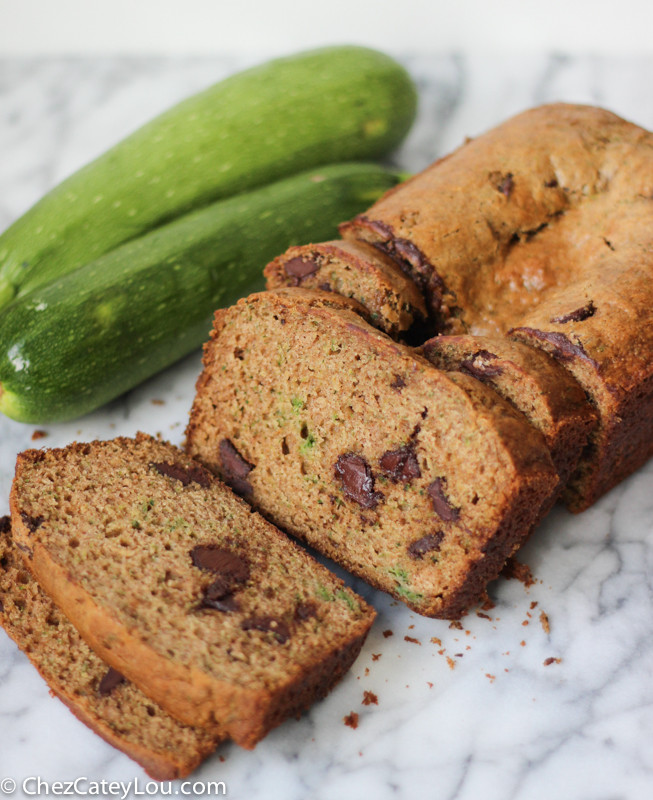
point(478, 715)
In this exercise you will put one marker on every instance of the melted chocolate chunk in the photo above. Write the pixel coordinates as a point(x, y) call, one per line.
point(214, 558)
point(326, 287)
point(357, 480)
point(440, 501)
point(111, 679)
point(481, 365)
point(563, 348)
point(298, 269)
point(506, 184)
point(231, 569)
point(31, 523)
point(398, 383)
point(278, 628)
point(5, 524)
point(578, 315)
point(401, 464)
point(234, 468)
point(427, 544)
point(187, 475)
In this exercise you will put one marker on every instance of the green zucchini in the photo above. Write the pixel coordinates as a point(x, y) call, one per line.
point(72, 345)
point(288, 115)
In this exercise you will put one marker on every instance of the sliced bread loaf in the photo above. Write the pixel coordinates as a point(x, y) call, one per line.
point(420, 482)
point(176, 584)
point(98, 695)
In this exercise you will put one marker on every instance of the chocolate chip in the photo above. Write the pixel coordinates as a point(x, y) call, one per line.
point(480, 365)
point(552, 184)
point(427, 544)
point(506, 184)
point(578, 315)
point(401, 464)
point(187, 475)
point(111, 679)
point(357, 480)
point(440, 501)
point(214, 558)
point(2, 608)
point(232, 571)
point(235, 469)
point(305, 611)
point(219, 597)
point(267, 625)
point(409, 253)
point(298, 269)
point(5, 524)
point(31, 523)
point(326, 287)
point(398, 383)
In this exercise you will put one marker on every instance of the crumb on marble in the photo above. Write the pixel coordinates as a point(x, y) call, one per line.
point(369, 698)
point(551, 660)
point(387, 633)
point(456, 625)
point(351, 720)
point(522, 572)
point(376, 656)
point(492, 678)
point(451, 662)
point(39, 434)
point(544, 621)
point(435, 640)
point(157, 402)
point(412, 640)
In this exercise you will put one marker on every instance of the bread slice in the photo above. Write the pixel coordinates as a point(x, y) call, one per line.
point(356, 270)
point(97, 695)
point(176, 584)
point(532, 381)
point(420, 482)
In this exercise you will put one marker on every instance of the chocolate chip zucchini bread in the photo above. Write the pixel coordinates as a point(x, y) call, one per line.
point(356, 270)
point(177, 585)
point(420, 482)
point(542, 227)
point(532, 381)
point(97, 694)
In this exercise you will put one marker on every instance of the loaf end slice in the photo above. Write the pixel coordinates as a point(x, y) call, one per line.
point(99, 696)
point(175, 583)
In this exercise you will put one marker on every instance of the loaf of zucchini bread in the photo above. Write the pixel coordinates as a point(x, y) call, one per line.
point(542, 229)
point(419, 481)
point(174, 582)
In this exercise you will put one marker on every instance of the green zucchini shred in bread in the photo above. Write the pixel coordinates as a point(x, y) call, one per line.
point(96, 694)
point(420, 482)
point(178, 585)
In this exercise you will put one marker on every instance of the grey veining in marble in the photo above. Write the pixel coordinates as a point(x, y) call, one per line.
point(462, 714)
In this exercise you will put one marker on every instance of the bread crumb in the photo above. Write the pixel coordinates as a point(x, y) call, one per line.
point(491, 677)
point(367, 671)
point(369, 698)
point(38, 434)
point(388, 633)
point(411, 639)
point(435, 640)
point(456, 625)
point(544, 620)
point(351, 720)
point(515, 569)
point(451, 662)
point(551, 660)
point(376, 656)
point(429, 684)
point(157, 402)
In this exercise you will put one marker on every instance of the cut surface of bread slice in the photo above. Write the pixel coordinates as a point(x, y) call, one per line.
point(178, 585)
point(356, 270)
point(420, 482)
point(532, 381)
point(99, 696)
point(541, 229)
